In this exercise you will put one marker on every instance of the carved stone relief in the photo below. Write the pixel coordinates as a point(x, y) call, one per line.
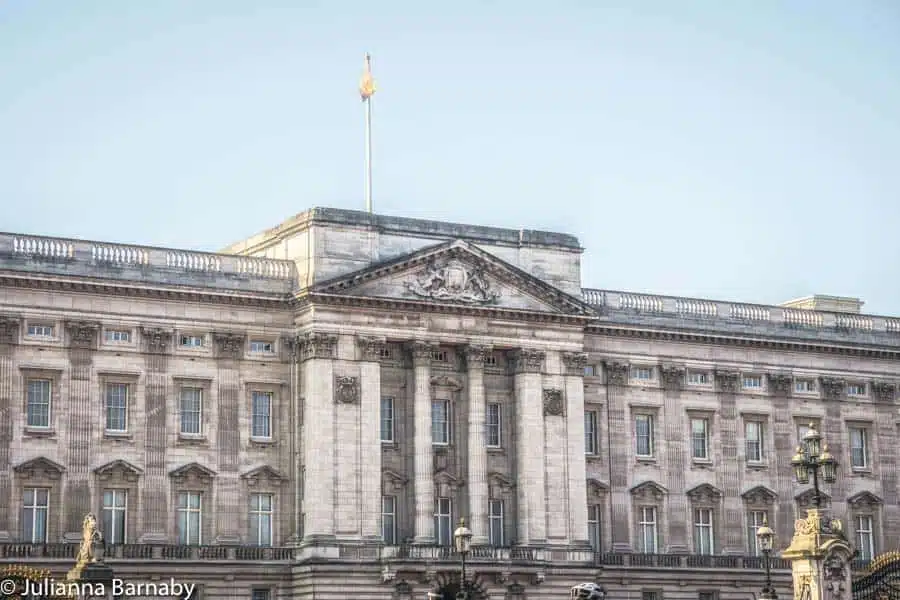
point(805, 499)
point(370, 348)
point(553, 403)
point(83, 334)
point(9, 329)
point(421, 352)
point(527, 361)
point(318, 345)
point(192, 473)
point(499, 485)
point(672, 376)
point(346, 389)
point(156, 340)
point(865, 501)
point(39, 468)
point(229, 345)
point(834, 571)
point(832, 388)
point(575, 362)
point(264, 476)
point(616, 373)
point(884, 391)
point(476, 355)
point(779, 384)
point(759, 496)
point(649, 491)
point(118, 470)
point(727, 381)
point(704, 494)
point(446, 381)
point(453, 281)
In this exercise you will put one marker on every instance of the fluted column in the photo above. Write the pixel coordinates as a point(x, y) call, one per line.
point(155, 489)
point(730, 473)
point(423, 463)
point(9, 335)
point(477, 451)
point(783, 432)
point(674, 455)
point(370, 440)
point(229, 350)
point(620, 456)
point(833, 392)
point(887, 444)
point(573, 365)
point(530, 492)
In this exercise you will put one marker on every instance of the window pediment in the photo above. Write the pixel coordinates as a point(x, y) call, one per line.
point(649, 491)
point(805, 499)
point(392, 482)
point(704, 494)
point(864, 500)
point(192, 473)
point(445, 381)
point(39, 468)
point(500, 485)
point(759, 496)
point(263, 474)
point(446, 483)
point(596, 488)
point(118, 469)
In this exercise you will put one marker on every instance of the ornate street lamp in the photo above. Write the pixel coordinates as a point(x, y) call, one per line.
point(766, 538)
point(814, 458)
point(463, 538)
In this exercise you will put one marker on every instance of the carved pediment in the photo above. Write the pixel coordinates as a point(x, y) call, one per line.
point(392, 482)
point(121, 470)
point(446, 483)
point(596, 489)
point(192, 472)
point(704, 494)
point(500, 485)
point(759, 496)
point(805, 498)
point(649, 491)
point(263, 474)
point(864, 500)
point(39, 468)
point(454, 272)
point(445, 381)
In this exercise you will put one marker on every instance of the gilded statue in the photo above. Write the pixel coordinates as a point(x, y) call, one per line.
point(90, 535)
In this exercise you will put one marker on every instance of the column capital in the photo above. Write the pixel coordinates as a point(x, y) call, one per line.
point(82, 334)
point(727, 381)
point(371, 348)
point(526, 360)
point(317, 345)
point(421, 352)
point(779, 384)
point(672, 376)
point(832, 388)
point(9, 329)
point(475, 355)
point(574, 362)
point(290, 347)
point(155, 339)
point(884, 391)
point(616, 373)
point(228, 344)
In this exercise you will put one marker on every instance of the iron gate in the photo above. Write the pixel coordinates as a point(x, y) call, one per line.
point(881, 581)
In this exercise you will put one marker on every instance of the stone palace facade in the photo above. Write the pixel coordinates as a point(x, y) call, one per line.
point(309, 413)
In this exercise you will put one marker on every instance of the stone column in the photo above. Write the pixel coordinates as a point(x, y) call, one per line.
point(292, 432)
point(318, 351)
point(9, 336)
point(886, 431)
point(530, 492)
point(477, 447)
point(370, 436)
point(83, 338)
point(423, 462)
point(573, 365)
point(820, 557)
point(619, 456)
point(675, 457)
point(155, 487)
point(833, 393)
point(229, 349)
point(730, 472)
point(783, 431)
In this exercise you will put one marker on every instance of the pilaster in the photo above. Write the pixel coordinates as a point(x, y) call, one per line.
point(887, 445)
point(155, 490)
point(229, 349)
point(477, 448)
point(530, 490)
point(676, 462)
point(833, 394)
point(370, 350)
point(9, 337)
point(783, 439)
point(620, 456)
point(83, 339)
point(732, 466)
point(423, 461)
point(573, 371)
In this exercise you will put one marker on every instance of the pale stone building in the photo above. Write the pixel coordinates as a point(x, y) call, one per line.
point(308, 413)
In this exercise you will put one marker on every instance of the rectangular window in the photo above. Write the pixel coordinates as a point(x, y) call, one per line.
point(35, 512)
point(647, 532)
point(591, 434)
point(594, 531)
point(643, 425)
point(865, 540)
point(650, 595)
point(38, 403)
point(751, 382)
point(590, 371)
point(856, 389)
point(260, 594)
point(261, 520)
point(443, 522)
point(700, 439)
point(494, 426)
point(859, 448)
point(703, 531)
point(755, 520)
point(491, 360)
point(387, 419)
point(495, 522)
point(191, 410)
point(753, 438)
point(440, 356)
point(706, 596)
point(389, 520)
point(116, 407)
point(117, 335)
point(189, 510)
point(115, 504)
point(261, 419)
point(698, 378)
point(192, 341)
point(642, 373)
point(261, 347)
point(440, 422)
point(804, 386)
point(40, 330)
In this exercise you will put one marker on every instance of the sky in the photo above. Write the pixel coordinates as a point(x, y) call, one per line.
point(744, 150)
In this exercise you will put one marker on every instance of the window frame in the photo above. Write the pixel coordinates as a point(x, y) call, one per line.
point(595, 527)
point(752, 527)
point(760, 425)
point(643, 524)
point(747, 377)
point(255, 394)
point(439, 517)
point(253, 347)
point(391, 420)
point(651, 434)
point(51, 384)
point(863, 430)
point(36, 508)
point(114, 335)
point(492, 428)
point(184, 537)
point(448, 418)
point(496, 519)
point(392, 515)
point(107, 386)
point(201, 390)
point(705, 421)
point(592, 433)
point(857, 531)
point(636, 371)
point(256, 509)
point(700, 527)
point(114, 510)
point(40, 330)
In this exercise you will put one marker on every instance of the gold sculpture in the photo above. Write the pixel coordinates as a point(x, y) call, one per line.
point(367, 83)
point(90, 535)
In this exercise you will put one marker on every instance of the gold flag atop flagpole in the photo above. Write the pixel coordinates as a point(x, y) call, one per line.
point(367, 83)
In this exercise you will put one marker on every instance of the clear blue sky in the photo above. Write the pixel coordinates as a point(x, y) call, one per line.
point(737, 150)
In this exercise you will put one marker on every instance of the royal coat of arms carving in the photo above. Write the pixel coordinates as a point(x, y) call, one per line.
point(346, 389)
point(453, 281)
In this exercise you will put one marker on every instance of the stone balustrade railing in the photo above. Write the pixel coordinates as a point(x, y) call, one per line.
point(144, 264)
point(733, 316)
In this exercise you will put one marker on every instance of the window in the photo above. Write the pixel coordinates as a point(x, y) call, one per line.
point(594, 531)
point(191, 410)
point(491, 360)
point(865, 540)
point(35, 509)
point(859, 450)
point(389, 520)
point(703, 531)
point(440, 356)
point(261, 519)
point(495, 522)
point(115, 503)
point(443, 533)
point(591, 435)
point(440, 422)
point(117, 335)
point(804, 386)
point(753, 438)
point(39, 330)
point(647, 533)
point(387, 419)
point(856, 389)
point(385, 352)
point(751, 382)
point(650, 595)
point(261, 420)
point(642, 373)
point(698, 378)
point(706, 596)
point(643, 425)
point(590, 371)
point(189, 509)
point(116, 407)
point(38, 403)
point(192, 341)
point(493, 425)
point(260, 594)
point(700, 439)
point(261, 347)
point(755, 520)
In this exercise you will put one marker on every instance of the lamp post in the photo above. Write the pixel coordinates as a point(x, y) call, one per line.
point(766, 538)
point(814, 458)
point(463, 538)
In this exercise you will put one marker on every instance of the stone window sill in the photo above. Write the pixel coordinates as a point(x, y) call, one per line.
point(757, 465)
point(188, 438)
point(262, 441)
point(118, 435)
point(592, 458)
point(650, 460)
point(861, 471)
point(390, 445)
point(40, 432)
point(496, 450)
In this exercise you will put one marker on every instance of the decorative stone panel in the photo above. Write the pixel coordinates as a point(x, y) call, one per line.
point(392, 483)
point(318, 345)
point(832, 388)
point(118, 471)
point(446, 381)
point(371, 349)
point(499, 486)
point(476, 355)
point(616, 373)
point(83, 334)
point(727, 381)
point(865, 501)
point(192, 474)
point(574, 363)
point(39, 468)
point(648, 492)
point(527, 361)
point(446, 484)
point(760, 496)
point(884, 391)
point(704, 495)
point(229, 345)
point(553, 403)
point(672, 376)
point(156, 340)
point(264, 477)
point(453, 281)
point(346, 389)
point(779, 384)
point(596, 490)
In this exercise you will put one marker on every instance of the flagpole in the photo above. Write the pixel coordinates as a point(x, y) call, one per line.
point(368, 103)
